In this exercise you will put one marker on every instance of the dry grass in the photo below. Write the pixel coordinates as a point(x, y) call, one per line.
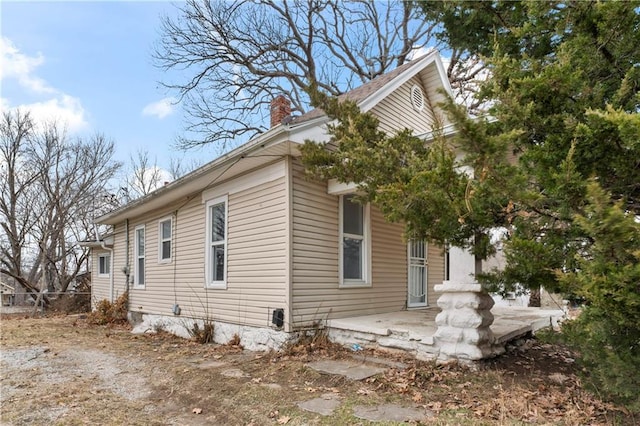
point(63, 370)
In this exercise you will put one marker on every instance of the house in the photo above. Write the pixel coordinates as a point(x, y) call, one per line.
point(8, 294)
point(249, 242)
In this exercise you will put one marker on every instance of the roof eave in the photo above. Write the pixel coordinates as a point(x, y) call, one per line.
point(121, 213)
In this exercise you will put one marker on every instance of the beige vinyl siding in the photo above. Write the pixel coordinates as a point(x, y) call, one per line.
point(431, 80)
point(256, 261)
point(396, 112)
point(99, 285)
point(435, 272)
point(316, 294)
point(119, 256)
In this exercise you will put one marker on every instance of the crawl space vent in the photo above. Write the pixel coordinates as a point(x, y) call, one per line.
point(417, 98)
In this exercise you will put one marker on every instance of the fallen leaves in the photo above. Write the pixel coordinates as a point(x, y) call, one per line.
point(281, 420)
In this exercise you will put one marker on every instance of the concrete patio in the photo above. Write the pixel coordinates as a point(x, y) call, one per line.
point(413, 330)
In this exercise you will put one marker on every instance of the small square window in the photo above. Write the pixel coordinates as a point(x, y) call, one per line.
point(104, 265)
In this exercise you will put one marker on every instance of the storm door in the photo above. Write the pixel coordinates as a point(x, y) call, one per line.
point(417, 274)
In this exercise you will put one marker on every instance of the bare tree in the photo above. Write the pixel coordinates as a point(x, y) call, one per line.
point(178, 167)
point(239, 55)
point(143, 175)
point(50, 187)
point(18, 179)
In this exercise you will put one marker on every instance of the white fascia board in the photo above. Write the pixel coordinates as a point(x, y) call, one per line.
point(104, 242)
point(313, 130)
point(335, 187)
point(443, 75)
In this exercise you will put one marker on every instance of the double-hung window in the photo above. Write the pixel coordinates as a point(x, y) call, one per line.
point(139, 241)
point(355, 246)
point(216, 244)
point(164, 240)
point(104, 265)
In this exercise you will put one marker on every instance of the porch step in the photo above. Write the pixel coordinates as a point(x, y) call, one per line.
point(370, 334)
point(347, 324)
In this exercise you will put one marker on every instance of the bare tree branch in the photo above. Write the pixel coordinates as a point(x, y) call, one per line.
point(238, 55)
point(143, 175)
point(50, 185)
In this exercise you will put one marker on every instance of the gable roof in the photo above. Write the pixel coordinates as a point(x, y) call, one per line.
point(368, 95)
point(276, 141)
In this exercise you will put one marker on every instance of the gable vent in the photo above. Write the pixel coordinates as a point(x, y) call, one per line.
point(417, 98)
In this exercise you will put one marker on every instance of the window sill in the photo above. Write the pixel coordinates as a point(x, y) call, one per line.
point(163, 261)
point(216, 286)
point(355, 284)
point(138, 287)
point(104, 275)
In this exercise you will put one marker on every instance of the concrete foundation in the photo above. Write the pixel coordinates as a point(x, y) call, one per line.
point(251, 338)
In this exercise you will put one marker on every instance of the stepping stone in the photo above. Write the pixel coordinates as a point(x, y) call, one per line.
point(325, 405)
point(274, 386)
point(211, 364)
point(390, 413)
point(235, 373)
point(350, 369)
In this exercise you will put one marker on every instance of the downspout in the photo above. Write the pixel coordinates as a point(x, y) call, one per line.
point(126, 251)
point(110, 250)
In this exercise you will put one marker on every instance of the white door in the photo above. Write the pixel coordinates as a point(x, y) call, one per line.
point(417, 274)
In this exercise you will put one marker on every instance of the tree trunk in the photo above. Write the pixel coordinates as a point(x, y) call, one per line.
point(534, 298)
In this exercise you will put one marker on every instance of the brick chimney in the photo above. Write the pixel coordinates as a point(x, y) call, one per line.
point(280, 109)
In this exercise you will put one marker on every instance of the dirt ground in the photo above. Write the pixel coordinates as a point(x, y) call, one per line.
point(62, 370)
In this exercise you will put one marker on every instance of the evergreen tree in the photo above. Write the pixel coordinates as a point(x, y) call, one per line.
point(563, 95)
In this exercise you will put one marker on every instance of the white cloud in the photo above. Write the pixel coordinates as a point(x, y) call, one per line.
point(53, 105)
point(17, 65)
point(63, 109)
point(161, 108)
point(419, 52)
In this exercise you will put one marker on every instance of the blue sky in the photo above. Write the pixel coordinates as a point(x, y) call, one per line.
point(89, 64)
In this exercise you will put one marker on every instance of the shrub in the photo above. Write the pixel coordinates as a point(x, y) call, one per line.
point(202, 335)
point(608, 354)
point(110, 313)
point(607, 333)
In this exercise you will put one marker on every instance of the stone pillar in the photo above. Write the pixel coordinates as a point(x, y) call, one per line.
point(463, 325)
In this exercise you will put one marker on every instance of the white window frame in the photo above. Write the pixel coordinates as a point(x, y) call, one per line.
point(208, 283)
point(136, 253)
point(107, 263)
point(366, 247)
point(163, 240)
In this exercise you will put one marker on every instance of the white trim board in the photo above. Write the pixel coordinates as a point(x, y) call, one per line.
point(257, 177)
